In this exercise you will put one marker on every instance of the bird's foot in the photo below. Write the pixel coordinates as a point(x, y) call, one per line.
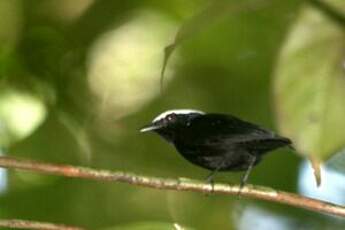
point(210, 180)
point(242, 184)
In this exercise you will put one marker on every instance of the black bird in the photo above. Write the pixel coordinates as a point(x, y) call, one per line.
point(217, 142)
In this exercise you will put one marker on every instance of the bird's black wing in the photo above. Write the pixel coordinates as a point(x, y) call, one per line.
point(210, 125)
point(219, 131)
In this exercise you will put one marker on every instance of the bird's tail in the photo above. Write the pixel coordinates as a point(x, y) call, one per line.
point(270, 144)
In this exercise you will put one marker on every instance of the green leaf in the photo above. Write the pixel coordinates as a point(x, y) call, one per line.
point(309, 86)
point(201, 21)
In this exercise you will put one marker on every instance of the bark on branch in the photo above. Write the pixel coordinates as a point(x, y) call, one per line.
point(250, 191)
point(26, 224)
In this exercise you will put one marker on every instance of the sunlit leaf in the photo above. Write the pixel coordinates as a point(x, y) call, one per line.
point(124, 62)
point(310, 86)
point(20, 115)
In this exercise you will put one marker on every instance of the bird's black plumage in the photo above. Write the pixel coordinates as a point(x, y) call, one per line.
point(217, 142)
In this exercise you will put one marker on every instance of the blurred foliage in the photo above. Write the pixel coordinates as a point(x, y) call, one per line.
point(92, 68)
point(311, 65)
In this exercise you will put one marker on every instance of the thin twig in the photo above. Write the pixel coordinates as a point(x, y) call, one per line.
point(251, 191)
point(26, 224)
point(330, 11)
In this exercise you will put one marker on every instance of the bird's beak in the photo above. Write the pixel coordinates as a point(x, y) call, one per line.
point(150, 127)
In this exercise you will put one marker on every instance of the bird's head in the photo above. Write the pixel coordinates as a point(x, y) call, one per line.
point(168, 123)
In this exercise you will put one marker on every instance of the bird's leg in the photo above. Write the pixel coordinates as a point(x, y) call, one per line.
point(210, 180)
point(245, 176)
point(210, 177)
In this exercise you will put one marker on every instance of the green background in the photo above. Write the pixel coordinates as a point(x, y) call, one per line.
point(88, 72)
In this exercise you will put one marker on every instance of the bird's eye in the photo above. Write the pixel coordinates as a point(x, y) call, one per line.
point(171, 117)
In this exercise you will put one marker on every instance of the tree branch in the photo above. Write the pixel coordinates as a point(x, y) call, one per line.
point(26, 224)
point(250, 191)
